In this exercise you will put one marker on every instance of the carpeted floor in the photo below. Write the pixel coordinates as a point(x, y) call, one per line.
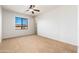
point(35, 44)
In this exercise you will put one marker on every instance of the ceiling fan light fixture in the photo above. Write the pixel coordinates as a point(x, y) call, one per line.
point(32, 9)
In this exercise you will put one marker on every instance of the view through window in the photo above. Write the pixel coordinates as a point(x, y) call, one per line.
point(21, 23)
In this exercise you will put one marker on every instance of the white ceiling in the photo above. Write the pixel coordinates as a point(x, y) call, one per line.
point(22, 8)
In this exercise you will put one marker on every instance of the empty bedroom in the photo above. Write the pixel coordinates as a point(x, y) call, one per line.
point(38, 28)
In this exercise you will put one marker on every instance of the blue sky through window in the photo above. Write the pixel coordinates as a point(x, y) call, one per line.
point(25, 21)
point(19, 20)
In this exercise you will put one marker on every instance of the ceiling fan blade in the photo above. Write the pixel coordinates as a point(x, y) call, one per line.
point(27, 10)
point(31, 6)
point(32, 12)
point(36, 10)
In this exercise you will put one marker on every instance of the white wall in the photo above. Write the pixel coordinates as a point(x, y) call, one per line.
point(59, 24)
point(78, 28)
point(0, 23)
point(8, 25)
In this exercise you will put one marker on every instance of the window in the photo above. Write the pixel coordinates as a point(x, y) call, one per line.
point(21, 23)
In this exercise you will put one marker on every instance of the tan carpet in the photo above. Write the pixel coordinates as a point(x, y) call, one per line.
point(35, 44)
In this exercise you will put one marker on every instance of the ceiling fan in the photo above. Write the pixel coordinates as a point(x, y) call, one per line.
point(32, 10)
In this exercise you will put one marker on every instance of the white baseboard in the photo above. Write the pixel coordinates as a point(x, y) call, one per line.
point(57, 39)
point(17, 36)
